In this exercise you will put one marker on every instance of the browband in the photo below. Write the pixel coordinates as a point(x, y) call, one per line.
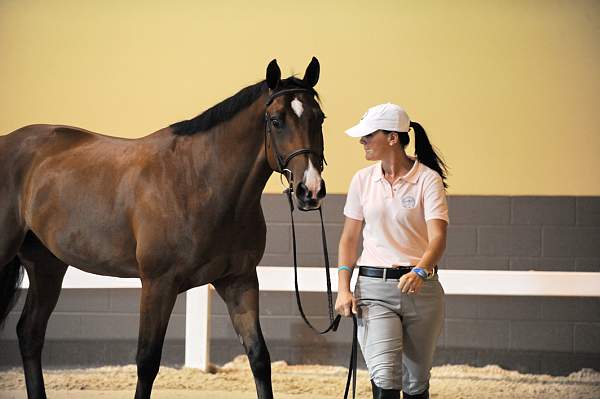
point(286, 91)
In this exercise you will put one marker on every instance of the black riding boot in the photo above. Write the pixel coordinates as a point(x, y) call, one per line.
point(422, 395)
point(380, 393)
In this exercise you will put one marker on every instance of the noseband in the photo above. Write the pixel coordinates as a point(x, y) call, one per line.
point(282, 161)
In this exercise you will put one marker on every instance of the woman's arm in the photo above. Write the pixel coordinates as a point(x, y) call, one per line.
point(347, 256)
point(436, 234)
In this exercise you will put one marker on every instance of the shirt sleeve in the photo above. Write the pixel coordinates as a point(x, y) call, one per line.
point(353, 208)
point(435, 204)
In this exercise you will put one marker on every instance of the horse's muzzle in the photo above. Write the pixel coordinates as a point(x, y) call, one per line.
point(307, 200)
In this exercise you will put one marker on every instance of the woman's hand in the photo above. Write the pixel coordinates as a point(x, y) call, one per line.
point(345, 303)
point(410, 283)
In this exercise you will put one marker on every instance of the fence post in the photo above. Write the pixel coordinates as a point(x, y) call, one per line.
point(197, 328)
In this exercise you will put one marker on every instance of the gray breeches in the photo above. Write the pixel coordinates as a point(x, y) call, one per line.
point(398, 332)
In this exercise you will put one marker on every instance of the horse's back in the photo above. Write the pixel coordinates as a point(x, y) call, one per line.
point(29, 142)
point(23, 150)
point(43, 137)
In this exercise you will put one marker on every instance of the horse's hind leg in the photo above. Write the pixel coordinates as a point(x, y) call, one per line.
point(45, 274)
point(11, 272)
point(241, 296)
point(158, 299)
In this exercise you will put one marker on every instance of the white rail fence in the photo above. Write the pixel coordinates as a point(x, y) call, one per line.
point(455, 282)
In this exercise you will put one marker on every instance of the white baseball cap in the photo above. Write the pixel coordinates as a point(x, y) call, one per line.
point(386, 116)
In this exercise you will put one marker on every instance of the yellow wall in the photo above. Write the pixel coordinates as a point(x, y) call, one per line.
point(508, 90)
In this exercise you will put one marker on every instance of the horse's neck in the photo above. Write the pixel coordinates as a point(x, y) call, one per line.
point(237, 148)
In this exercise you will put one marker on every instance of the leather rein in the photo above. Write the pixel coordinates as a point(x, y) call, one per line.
point(334, 321)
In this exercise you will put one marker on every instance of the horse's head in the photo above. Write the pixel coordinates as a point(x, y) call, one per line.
point(293, 133)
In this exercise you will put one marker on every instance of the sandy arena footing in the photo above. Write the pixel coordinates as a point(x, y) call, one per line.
point(234, 381)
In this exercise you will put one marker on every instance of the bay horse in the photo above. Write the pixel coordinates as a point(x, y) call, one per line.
point(178, 208)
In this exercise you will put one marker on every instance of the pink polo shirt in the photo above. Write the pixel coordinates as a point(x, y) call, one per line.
point(395, 230)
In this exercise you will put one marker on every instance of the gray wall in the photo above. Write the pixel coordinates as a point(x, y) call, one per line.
point(535, 334)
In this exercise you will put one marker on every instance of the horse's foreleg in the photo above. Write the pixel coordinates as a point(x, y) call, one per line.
point(241, 296)
point(158, 298)
point(45, 274)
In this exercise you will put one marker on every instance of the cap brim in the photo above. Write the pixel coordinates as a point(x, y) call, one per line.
point(360, 130)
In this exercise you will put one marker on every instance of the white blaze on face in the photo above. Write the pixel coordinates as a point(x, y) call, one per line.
point(297, 107)
point(312, 179)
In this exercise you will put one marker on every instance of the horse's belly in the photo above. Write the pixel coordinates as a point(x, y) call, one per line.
point(93, 251)
point(107, 269)
point(116, 267)
point(220, 265)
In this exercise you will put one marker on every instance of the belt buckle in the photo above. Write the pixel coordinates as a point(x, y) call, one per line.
point(385, 274)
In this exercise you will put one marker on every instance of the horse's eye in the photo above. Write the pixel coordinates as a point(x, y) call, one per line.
point(276, 123)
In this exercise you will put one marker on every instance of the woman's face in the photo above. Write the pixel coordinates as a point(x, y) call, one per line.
point(376, 145)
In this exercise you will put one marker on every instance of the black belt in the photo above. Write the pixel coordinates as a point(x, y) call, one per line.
point(385, 272)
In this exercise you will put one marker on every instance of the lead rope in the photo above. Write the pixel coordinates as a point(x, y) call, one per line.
point(334, 322)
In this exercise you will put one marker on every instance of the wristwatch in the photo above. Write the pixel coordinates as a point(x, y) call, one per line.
point(423, 273)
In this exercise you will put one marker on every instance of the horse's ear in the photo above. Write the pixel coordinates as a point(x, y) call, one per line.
point(311, 76)
point(273, 75)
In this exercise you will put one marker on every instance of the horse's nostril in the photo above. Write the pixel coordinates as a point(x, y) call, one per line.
point(302, 192)
point(322, 191)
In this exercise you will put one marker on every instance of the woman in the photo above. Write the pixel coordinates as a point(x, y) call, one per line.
point(398, 299)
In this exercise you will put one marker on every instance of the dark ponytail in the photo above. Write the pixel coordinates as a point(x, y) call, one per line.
point(426, 154)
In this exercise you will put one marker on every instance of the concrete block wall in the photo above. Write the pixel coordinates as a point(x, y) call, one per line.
point(93, 327)
point(532, 334)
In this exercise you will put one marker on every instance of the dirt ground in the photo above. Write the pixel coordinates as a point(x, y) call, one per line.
point(234, 381)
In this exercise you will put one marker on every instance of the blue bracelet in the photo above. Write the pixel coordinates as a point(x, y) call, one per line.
point(344, 268)
point(421, 272)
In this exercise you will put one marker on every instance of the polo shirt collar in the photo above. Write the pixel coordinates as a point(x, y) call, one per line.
point(412, 176)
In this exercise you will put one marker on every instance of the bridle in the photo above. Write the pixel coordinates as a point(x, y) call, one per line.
point(282, 163)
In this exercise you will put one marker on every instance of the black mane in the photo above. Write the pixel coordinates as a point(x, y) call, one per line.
point(227, 108)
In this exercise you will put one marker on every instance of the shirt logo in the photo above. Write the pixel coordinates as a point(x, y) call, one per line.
point(408, 202)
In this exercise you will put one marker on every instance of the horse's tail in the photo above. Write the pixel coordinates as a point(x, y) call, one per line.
point(11, 275)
